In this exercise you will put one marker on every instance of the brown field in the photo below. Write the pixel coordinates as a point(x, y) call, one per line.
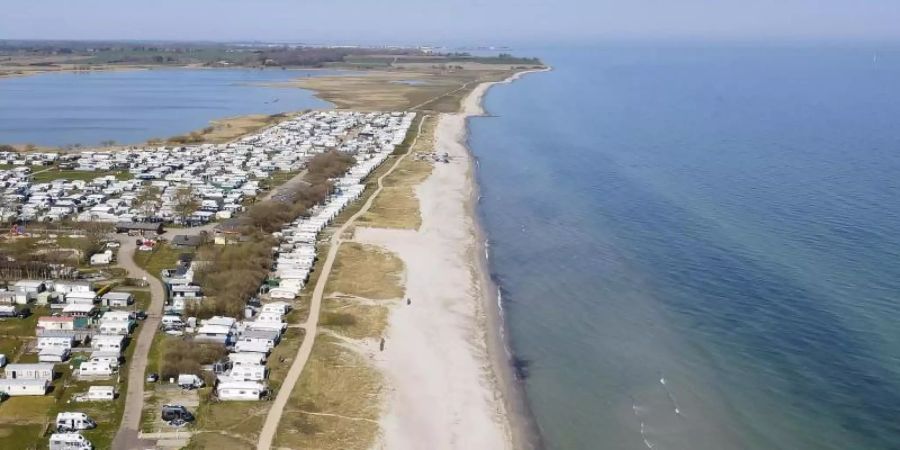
point(441, 89)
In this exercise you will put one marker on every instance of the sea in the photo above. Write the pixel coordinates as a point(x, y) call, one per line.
point(698, 244)
point(130, 107)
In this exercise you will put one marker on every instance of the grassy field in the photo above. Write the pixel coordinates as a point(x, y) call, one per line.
point(163, 256)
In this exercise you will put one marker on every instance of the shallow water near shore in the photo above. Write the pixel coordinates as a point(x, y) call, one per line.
point(697, 247)
point(57, 109)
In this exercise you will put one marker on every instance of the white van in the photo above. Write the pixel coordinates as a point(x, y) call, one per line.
point(190, 381)
point(69, 441)
point(73, 421)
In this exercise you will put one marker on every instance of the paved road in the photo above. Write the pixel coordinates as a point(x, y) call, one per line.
point(312, 321)
point(127, 436)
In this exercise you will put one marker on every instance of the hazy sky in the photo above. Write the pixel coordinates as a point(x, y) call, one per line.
point(447, 21)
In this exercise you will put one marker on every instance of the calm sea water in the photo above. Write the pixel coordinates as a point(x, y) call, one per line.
point(699, 248)
point(133, 106)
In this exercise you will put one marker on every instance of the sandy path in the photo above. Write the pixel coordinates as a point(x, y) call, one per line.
point(443, 393)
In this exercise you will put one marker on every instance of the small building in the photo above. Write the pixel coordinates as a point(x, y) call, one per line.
point(139, 227)
point(240, 390)
point(117, 299)
point(184, 241)
point(19, 387)
point(39, 371)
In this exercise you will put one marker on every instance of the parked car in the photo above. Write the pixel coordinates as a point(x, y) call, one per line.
point(176, 415)
point(140, 315)
point(152, 378)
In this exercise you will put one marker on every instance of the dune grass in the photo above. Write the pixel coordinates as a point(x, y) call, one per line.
point(335, 402)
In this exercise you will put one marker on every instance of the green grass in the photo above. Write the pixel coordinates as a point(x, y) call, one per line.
point(22, 327)
point(161, 257)
point(55, 174)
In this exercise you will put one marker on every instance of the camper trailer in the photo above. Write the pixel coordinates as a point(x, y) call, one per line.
point(74, 421)
point(98, 394)
point(69, 441)
point(240, 390)
point(247, 373)
point(95, 369)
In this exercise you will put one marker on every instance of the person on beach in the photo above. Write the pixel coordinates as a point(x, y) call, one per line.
point(382, 344)
point(408, 301)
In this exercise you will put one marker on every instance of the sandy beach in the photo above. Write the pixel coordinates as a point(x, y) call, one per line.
point(443, 386)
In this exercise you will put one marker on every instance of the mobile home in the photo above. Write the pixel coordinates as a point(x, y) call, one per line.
point(14, 388)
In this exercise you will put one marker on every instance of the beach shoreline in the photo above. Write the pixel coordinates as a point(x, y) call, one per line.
point(524, 431)
point(449, 380)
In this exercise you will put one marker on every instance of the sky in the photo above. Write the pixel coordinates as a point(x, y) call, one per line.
point(482, 22)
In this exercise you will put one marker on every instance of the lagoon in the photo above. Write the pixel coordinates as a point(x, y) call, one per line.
point(129, 107)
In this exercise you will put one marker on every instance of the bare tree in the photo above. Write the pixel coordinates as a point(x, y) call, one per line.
point(185, 203)
point(147, 200)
